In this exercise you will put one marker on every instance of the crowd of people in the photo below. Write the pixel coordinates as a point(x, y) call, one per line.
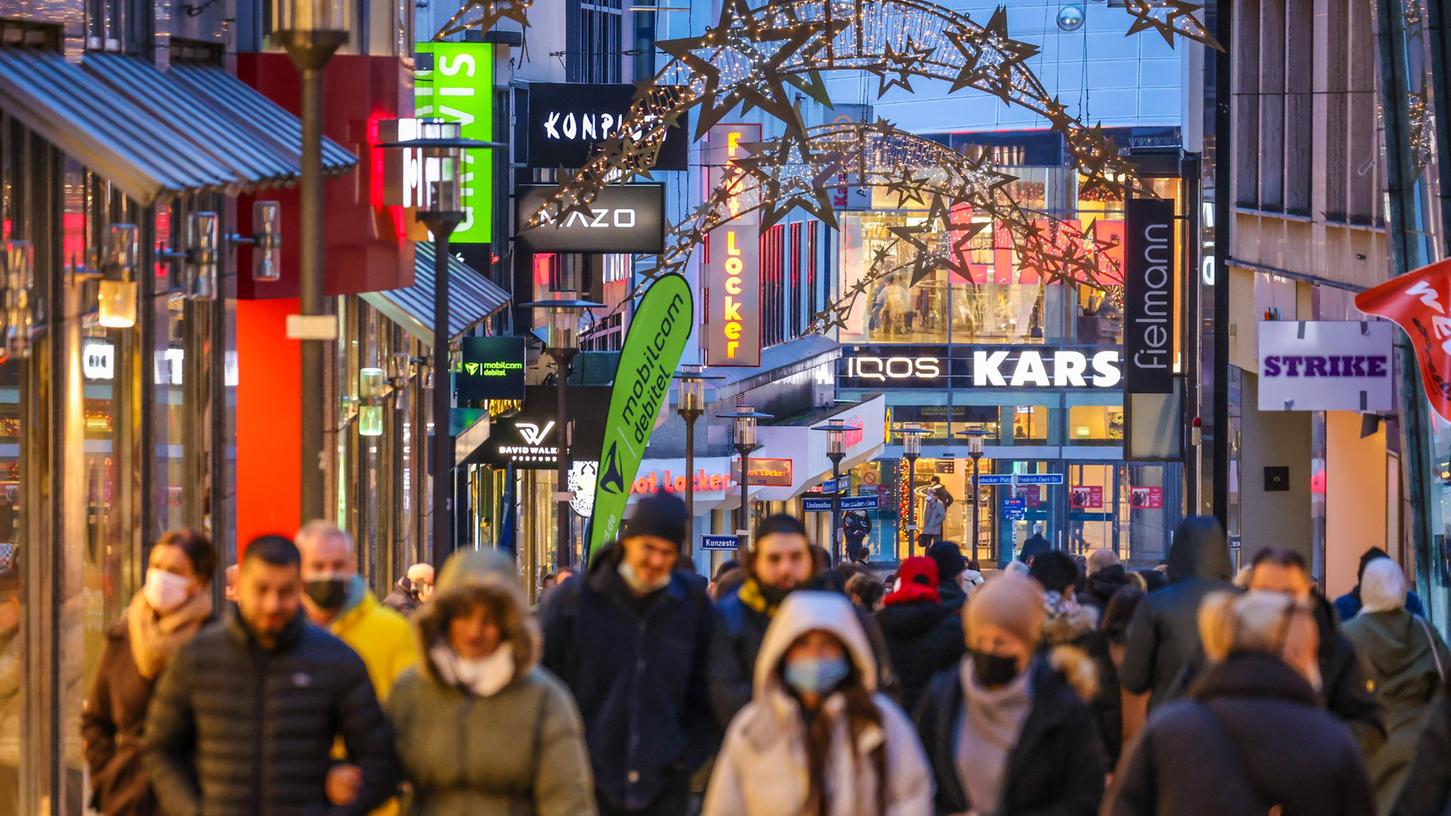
point(785, 685)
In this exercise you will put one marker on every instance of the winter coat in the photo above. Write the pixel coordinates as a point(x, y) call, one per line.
point(1267, 743)
point(762, 766)
point(1428, 786)
point(1075, 626)
point(923, 638)
point(637, 669)
point(1055, 769)
point(111, 725)
point(1035, 546)
point(401, 599)
point(934, 513)
point(238, 730)
point(1397, 652)
point(383, 638)
point(1162, 653)
point(1100, 587)
point(1347, 606)
point(1345, 688)
point(517, 752)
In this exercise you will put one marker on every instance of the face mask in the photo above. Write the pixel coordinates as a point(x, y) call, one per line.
point(485, 676)
point(639, 584)
point(993, 671)
point(328, 592)
point(812, 676)
point(164, 590)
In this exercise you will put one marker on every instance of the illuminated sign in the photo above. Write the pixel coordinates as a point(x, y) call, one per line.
point(492, 368)
point(1070, 369)
point(623, 218)
point(766, 472)
point(733, 258)
point(1149, 282)
point(530, 438)
point(569, 121)
point(869, 367)
point(1325, 365)
point(455, 82)
point(883, 369)
point(98, 361)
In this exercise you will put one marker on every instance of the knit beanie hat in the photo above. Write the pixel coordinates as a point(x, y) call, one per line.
point(950, 562)
point(1055, 570)
point(662, 515)
point(1011, 602)
point(918, 576)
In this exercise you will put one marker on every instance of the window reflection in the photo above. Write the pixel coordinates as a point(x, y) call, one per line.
point(1095, 423)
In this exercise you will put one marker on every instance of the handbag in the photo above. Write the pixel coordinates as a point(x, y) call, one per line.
point(1435, 653)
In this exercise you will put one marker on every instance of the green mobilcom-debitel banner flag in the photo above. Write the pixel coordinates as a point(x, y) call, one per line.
point(658, 331)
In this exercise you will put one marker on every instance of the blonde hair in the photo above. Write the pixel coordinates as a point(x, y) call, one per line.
point(1256, 621)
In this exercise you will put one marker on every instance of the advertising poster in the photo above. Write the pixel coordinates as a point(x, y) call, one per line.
point(1086, 497)
point(648, 361)
point(1418, 302)
point(455, 81)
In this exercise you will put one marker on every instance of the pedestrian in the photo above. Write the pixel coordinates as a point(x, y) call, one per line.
point(547, 585)
point(230, 593)
point(923, 634)
point(778, 563)
point(1006, 730)
point(630, 639)
point(1348, 605)
point(1407, 663)
point(482, 729)
point(952, 586)
point(1427, 791)
point(817, 736)
point(411, 591)
point(1120, 714)
point(172, 605)
point(1036, 545)
point(720, 572)
point(336, 599)
point(866, 592)
point(1251, 738)
point(244, 720)
point(1105, 576)
point(1343, 682)
point(934, 513)
point(727, 582)
point(1162, 655)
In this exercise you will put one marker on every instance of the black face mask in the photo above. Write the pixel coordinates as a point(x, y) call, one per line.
point(327, 593)
point(993, 671)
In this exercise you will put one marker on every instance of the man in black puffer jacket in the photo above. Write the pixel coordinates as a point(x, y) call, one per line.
point(924, 635)
point(244, 721)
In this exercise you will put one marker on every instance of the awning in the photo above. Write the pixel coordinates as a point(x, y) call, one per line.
point(268, 121)
point(471, 298)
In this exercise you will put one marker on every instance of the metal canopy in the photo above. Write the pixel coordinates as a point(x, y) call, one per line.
point(471, 298)
point(267, 121)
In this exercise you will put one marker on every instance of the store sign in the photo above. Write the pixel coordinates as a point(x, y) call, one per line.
point(1086, 497)
point(869, 367)
point(569, 121)
point(766, 472)
point(1325, 365)
point(1149, 285)
point(455, 82)
point(733, 258)
point(492, 368)
point(623, 218)
point(1146, 498)
point(651, 354)
point(98, 361)
point(1420, 303)
point(530, 438)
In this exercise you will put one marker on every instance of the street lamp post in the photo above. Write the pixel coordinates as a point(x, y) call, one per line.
point(974, 450)
point(911, 449)
point(835, 429)
point(311, 31)
point(744, 421)
point(691, 406)
point(562, 344)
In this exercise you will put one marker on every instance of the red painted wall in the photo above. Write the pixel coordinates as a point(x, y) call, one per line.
point(365, 247)
point(269, 432)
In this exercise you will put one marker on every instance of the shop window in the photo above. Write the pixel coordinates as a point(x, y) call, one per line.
point(1095, 424)
point(1030, 424)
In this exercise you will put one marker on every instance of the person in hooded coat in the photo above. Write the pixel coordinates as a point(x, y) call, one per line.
point(1347, 606)
point(1406, 661)
point(951, 567)
point(1427, 791)
point(817, 736)
point(1007, 731)
point(482, 729)
point(1162, 654)
point(1252, 736)
point(924, 635)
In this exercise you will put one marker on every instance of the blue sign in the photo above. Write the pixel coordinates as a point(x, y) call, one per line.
point(718, 542)
point(1014, 504)
point(1021, 478)
point(818, 504)
point(995, 479)
point(1014, 515)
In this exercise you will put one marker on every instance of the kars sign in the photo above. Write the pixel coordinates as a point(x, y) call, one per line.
point(733, 260)
point(1325, 365)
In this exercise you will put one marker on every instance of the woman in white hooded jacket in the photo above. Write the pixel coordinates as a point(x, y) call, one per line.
point(816, 738)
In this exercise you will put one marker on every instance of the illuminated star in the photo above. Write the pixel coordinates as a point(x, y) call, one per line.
point(1169, 17)
point(990, 56)
point(792, 175)
point(901, 65)
point(490, 13)
point(924, 263)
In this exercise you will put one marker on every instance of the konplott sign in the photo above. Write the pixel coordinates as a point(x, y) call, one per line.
point(1325, 365)
point(568, 121)
point(624, 218)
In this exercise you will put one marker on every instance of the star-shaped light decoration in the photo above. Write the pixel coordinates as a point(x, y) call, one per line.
point(1169, 17)
point(487, 14)
point(740, 61)
point(791, 174)
point(898, 67)
point(990, 57)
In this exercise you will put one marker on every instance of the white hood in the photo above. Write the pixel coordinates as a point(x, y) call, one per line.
point(802, 612)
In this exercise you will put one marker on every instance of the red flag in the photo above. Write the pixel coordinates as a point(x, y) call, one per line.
point(1420, 303)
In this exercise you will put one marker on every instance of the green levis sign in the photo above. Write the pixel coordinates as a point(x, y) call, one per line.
point(653, 346)
point(460, 88)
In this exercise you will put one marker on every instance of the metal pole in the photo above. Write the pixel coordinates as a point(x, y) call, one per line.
point(742, 519)
point(836, 540)
point(564, 545)
point(690, 415)
point(976, 500)
point(441, 225)
point(1223, 216)
point(911, 505)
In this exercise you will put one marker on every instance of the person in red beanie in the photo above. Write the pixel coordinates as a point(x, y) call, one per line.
point(924, 635)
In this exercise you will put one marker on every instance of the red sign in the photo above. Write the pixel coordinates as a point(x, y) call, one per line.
point(670, 482)
point(1086, 497)
point(1418, 302)
point(1146, 498)
point(766, 472)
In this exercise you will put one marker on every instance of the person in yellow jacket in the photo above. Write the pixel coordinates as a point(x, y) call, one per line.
point(336, 598)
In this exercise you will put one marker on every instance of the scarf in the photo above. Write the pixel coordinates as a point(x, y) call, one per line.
point(762, 599)
point(155, 638)
point(987, 731)
point(485, 677)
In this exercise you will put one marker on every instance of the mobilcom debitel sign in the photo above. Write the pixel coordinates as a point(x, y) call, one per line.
point(651, 354)
point(455, 82)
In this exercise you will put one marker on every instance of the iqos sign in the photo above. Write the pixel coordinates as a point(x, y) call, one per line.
point(883, 369)
point(962, 367)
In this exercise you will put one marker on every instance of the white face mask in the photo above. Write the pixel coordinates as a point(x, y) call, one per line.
point(640, 585)
point(165, 591)
point(485, 676)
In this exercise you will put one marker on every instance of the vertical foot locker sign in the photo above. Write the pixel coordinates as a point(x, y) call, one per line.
point(648, 361)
